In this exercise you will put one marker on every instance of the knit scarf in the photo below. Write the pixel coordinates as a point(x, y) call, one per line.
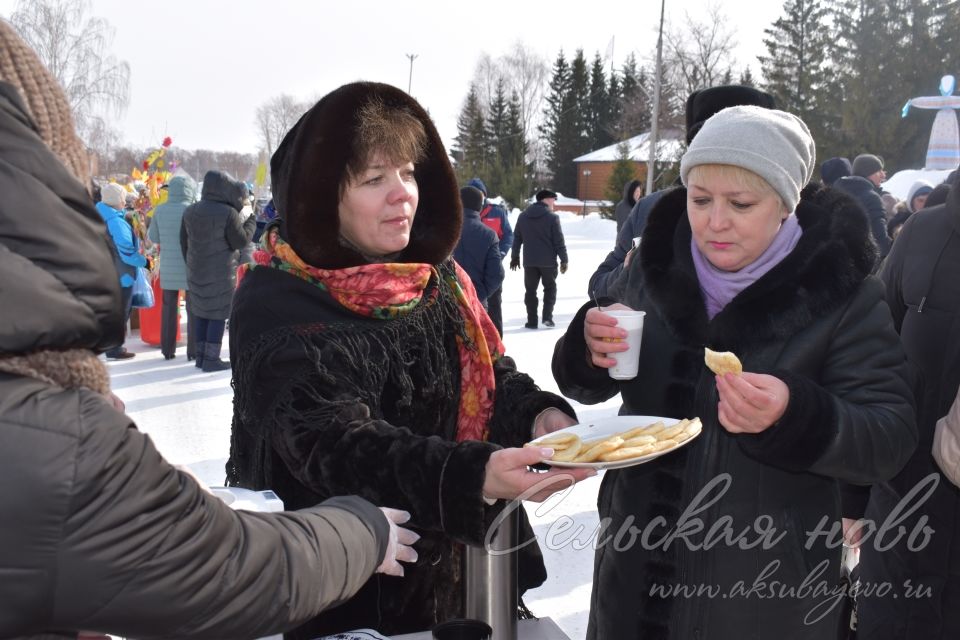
point(391, 290)
point(719, 287)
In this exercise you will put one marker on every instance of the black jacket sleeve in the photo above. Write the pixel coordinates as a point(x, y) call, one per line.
point(858, 423)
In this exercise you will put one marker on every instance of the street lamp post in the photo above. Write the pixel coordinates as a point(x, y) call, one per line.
point(586, 188)
point(412, 57)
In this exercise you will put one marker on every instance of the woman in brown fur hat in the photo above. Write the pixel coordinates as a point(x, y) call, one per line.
point(99, 532)
point(364, 362)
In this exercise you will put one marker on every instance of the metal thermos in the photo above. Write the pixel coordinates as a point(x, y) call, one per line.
point(490, 576)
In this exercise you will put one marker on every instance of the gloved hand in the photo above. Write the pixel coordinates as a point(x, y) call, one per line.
point(514, 265)
point(398, 548)
point(563, 267)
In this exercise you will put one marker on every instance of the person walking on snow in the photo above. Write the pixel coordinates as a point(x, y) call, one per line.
point(539, 227)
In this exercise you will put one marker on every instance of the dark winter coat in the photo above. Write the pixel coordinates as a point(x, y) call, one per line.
point(165, 231)
point(612, 266)
point(211, 237)
point(99, 532)
point(819, 323)
point(866, 195)
point(626, 204)
point(329, 401)
point(478, 252)
point(539, 228)
point(923, 292)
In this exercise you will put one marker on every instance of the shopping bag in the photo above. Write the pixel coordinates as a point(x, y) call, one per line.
point(142, 291)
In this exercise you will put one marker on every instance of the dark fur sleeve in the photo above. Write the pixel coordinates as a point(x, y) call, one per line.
point(517, 403)
point(577, 378)
point(329, 442)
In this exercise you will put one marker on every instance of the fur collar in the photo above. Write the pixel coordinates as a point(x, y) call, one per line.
point(308, 165)
point(834, 256)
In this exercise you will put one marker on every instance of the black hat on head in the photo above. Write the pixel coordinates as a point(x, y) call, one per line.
point(472, 198)
point(543, 194)
point(704, 103)
point(834, 169)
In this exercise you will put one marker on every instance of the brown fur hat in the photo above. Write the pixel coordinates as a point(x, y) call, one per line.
point(310, 163)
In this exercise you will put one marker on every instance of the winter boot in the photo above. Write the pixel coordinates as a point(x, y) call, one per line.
point(211, 358)
point(200, 346)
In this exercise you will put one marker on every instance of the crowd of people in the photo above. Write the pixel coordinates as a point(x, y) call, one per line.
point(366, 333)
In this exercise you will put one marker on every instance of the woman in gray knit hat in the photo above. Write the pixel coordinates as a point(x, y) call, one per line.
point(100, 533)
point(749, 260)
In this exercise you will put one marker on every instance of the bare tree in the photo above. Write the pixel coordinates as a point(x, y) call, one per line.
point(275, 117)
point(700, 52)
point(76, 50)
point(528, 75)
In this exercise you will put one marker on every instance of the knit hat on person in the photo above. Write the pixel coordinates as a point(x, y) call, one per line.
point(704, 103)
point(113, 195)
point(775, 145)
point(45, 101)
point(472, 198)
point(477, 183)
point(834, 169)
point(866, 164)
point(918, 188)
point(543, 194)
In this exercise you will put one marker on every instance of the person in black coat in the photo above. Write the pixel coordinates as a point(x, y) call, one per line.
point(864, 187)
point(631, 193)
point(539, 227)
point(478, 250)
point(741, 260)
point(212, 233)
point(923, 291)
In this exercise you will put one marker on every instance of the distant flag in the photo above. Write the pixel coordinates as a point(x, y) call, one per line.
point(260, 178)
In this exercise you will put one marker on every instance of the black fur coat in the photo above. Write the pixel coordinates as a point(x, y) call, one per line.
point(819, 323)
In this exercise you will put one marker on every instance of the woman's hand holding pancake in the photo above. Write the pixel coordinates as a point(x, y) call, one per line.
point(751, 402)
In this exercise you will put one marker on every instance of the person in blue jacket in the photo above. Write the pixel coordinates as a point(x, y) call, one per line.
point(112, 200)
point(477, 250)
point(495, 217)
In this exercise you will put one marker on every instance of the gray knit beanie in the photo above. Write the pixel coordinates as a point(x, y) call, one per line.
point(866, 164)
point(775, 145)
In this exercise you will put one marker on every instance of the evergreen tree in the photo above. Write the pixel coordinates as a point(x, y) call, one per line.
point(615, 101)
point(635, 101)
point(513, 154)
point(864, 48)
point(560, 127)
point(599, 116)
point(496, 132)
point(795, 68)
point(580, 103)
point(471, 145)
point(746, 78)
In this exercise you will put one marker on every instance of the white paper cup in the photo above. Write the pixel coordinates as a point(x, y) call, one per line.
point(628, 362)
point(636, 242)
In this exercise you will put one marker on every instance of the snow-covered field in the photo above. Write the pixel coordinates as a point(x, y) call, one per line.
point(187, 414)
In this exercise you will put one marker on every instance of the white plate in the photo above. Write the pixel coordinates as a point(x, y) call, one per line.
point(607, 427)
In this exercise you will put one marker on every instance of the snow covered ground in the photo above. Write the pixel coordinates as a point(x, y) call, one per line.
point(187, 414)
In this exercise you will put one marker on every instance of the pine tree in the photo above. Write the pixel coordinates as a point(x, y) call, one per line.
point(634, 104)
point(794, 70)
point(865, 48)
point(513, 154)
point(580, 103)
point(471, 147)
point(560, 127)
point(746, 78)
point(599, 116)
point(496, 132)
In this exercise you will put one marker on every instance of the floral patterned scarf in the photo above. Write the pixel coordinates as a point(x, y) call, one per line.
point(392, 290)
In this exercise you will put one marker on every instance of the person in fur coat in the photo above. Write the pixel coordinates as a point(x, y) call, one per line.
point(742, 260)
point(364, 363)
